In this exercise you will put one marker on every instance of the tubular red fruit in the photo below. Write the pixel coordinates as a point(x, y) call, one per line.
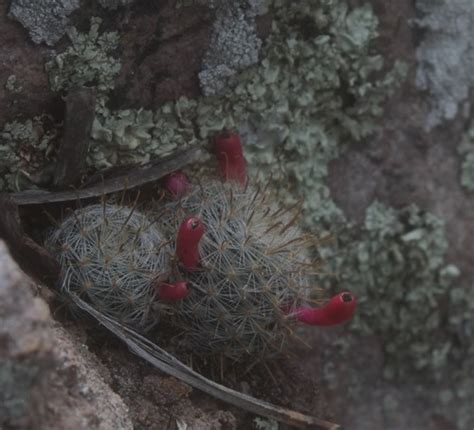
point(231, 157)
point(187, 243)
point(171, 292)
point(339, 309)
point(177, 183)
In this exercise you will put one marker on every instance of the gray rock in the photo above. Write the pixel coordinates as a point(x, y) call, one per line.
point(48, 378)
point(45, 20)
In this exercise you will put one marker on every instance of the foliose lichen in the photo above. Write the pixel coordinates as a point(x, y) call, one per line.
point(466, 150)
point(445, 56)
point(13, 85)
point(395, 264)
point(89, 61)
point(27, 152)
point(313, 90)
point(114, 4)
point(234, 44)
point(45, 20)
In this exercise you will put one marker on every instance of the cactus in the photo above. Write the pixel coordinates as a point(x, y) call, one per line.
point(240, 279)
point(252, 275)
point(114, 257)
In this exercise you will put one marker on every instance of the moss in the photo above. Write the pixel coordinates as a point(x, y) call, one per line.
point(466, 150)
point(88, 61)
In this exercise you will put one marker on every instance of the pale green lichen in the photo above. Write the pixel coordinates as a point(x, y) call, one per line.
point(408, 299)
point(27, 151)
point(466, 150)
point(126, 136)
point(265, 424)
point(13, 85)
point(314, 90)
point(89, 61)
point(395, 264)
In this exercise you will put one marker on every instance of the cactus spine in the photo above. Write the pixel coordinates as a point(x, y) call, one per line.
point(252, 275)
point(113, 257)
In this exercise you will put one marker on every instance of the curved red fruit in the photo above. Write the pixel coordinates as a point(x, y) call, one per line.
point(339, 309)
point(187, 242)
point(231, 157)
point(177, 183)
point(171, 292)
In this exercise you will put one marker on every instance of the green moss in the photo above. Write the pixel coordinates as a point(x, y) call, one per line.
point(88, 61)
point(466, 149)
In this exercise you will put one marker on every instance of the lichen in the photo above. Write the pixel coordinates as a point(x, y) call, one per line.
point(313, 90)
point(89, 61)
point(395, 264)
point(234, 44)
point(135, 136)
point(13, 85)
point(466, 150)
point(266, 424)
point(27, 153)
point(45, 20)
point(445, 56)
point(114, 4)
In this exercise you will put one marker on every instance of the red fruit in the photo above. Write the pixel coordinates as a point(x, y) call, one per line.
point(231, 157)
point(171, 292)
point(177, 183)
point(187, 243)
point(339, 309)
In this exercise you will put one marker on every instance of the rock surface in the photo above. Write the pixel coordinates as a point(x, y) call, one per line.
point(45, 20)
point(48, 379)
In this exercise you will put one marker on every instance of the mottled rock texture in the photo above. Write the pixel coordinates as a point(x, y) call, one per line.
point(48, 379)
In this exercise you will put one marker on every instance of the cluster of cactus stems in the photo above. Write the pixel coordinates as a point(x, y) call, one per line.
point(222, 263)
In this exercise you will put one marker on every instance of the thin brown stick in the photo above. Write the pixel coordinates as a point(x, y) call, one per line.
point(133, 177)
point(169, 364)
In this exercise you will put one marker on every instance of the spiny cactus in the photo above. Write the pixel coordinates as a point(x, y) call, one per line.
point(240, 276)
point(112, 256)
point(253, 270)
